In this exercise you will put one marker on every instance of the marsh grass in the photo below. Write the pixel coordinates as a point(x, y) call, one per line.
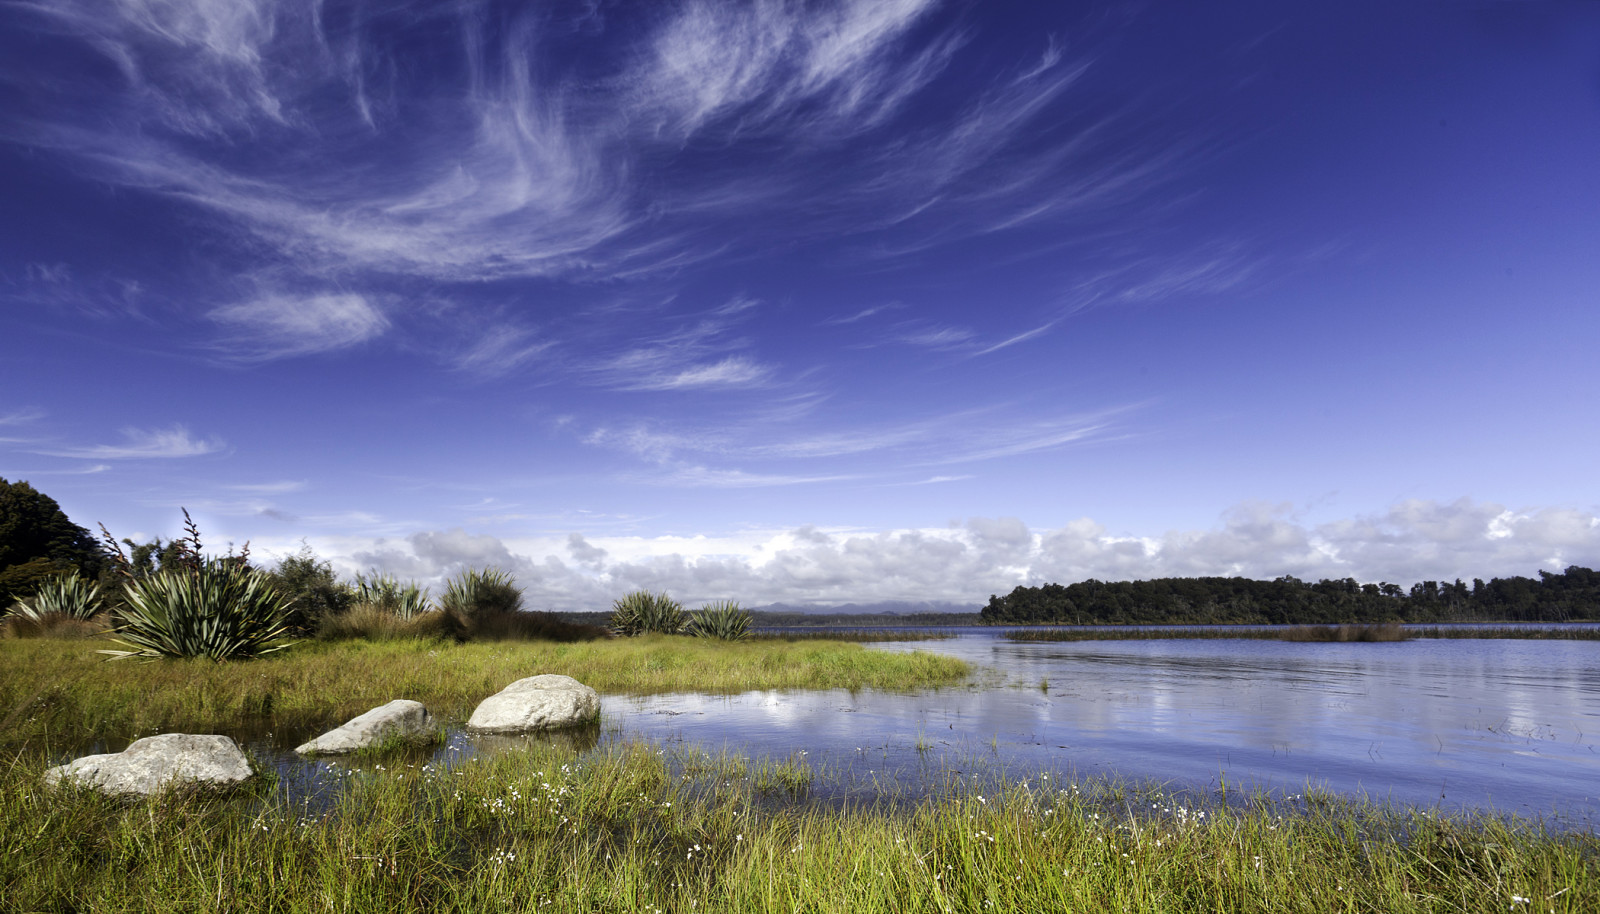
point(1387, 631)
point(858, 635)
point(624, 830)
point(62, 694)
point(1219, 633)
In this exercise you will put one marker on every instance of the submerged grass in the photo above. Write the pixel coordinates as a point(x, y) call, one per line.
point(63, 693)
point(625, 830)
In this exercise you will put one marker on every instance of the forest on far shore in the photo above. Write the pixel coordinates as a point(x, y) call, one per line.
point(1571, 596)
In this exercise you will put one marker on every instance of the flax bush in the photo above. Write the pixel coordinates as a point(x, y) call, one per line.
point(642, 612)
point(385, 592)
point(725, 620)
point(67, 596)
point(198, 606)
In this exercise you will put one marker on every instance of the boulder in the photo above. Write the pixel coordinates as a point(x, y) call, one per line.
point(398, 721)
point(537, 703)
point(157, 763)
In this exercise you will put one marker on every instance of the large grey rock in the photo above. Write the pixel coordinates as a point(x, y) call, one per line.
point(400, 720)
point(537, 703)
point(155, 763)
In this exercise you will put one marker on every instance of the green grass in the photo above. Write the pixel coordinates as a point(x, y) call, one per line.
point(61, 693)
point(627, 829)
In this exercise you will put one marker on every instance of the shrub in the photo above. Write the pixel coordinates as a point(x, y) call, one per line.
point(314, 591)
point(641, 612)
point(724, 620)
point(474, 595)
point(198, 606)
point(68, 596)
point(385, 592)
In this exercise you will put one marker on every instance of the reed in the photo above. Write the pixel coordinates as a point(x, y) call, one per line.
point(1387, 631)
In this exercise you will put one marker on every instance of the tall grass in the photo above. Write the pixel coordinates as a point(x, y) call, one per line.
point(626, 830)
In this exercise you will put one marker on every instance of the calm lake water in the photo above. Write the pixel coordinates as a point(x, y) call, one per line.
point(1507, 726)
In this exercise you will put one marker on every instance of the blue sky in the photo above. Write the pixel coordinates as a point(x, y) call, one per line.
point(810, 302)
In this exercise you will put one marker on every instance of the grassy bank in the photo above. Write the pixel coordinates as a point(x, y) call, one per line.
point(625, 830)
point(64, 693)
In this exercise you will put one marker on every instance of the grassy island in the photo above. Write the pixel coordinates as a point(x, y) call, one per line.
point(55, 692)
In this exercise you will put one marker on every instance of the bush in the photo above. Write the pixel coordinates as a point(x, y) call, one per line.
point(198, 606)
point(386, 593)
point(474, 595)
point(67, 596)
point(724, 620)
point(314, 591)
point(641, 612)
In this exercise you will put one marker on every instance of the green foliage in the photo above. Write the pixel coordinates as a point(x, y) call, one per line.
point(724, 620)
point(68, 596)
point(385, 592)
point(313, 590)
point(643, 612)
point(1570, 596)
point(198, 606)
point(474, 595)
point(37, 541)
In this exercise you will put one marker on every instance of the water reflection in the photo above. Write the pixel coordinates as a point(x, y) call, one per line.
point(1509, 726)
point(1505, 725)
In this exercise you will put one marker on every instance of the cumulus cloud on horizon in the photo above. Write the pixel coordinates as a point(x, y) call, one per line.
point(1412, 540)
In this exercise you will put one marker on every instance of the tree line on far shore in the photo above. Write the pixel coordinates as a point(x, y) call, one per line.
point(1570, 596)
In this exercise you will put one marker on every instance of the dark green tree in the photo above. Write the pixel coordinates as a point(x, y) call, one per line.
point(313, 589)
point(37, 540)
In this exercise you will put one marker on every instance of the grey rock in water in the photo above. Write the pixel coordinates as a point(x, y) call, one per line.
point(401, 720)
point(156, 763)
point(537, 703)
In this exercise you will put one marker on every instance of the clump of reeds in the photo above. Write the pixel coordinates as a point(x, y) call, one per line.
point(1384, 631)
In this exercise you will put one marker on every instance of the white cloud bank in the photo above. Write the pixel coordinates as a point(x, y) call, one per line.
point(1411, 541)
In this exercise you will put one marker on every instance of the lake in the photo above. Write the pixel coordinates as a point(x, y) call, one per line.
point(1509, 726)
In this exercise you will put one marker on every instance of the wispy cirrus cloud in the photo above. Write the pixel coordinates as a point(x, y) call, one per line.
point(879, 453)
point(22, 416)
point(524, 160)
point(282, 326)
point(138, 444)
